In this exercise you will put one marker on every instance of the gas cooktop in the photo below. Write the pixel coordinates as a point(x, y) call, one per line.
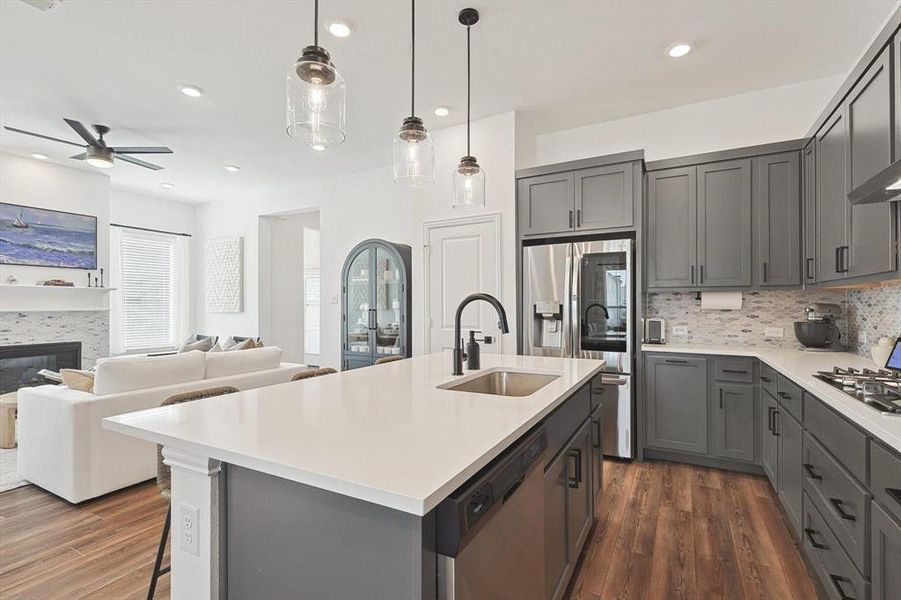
point(880, 390)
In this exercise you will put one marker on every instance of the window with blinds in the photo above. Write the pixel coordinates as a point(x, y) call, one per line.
point(149, 299)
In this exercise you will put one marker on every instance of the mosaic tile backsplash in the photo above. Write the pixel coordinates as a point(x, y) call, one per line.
point(91, 328)
point(867, 315)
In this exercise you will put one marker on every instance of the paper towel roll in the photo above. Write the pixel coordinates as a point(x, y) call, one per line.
point(720, 300)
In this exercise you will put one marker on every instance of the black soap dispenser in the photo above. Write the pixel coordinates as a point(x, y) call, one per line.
point(472, 353)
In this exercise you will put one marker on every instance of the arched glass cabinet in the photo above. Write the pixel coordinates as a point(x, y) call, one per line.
point(375, 303)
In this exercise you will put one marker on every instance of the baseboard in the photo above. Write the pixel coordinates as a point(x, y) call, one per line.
point(703, 461)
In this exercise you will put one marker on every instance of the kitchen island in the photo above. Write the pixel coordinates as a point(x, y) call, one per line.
point(334, 481)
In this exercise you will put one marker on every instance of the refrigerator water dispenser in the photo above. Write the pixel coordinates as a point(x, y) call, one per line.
point(548, 324)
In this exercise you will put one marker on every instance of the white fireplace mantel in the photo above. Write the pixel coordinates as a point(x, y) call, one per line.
point(24, 298)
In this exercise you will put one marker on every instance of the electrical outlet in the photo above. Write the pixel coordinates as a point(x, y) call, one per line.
point(334, 299)
point(774, 332)
point(680, 329)
point(190, 517)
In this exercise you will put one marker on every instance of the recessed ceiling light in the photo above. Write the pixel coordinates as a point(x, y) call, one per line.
point(317, 147)
point(442, 111)
point(168, 186)
point(39, 156)
point(339, 29)
point(232, 168)
point(678, 50)
point(192, 91)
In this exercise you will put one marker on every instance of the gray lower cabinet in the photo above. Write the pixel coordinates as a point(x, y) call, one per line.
point(769, 440)
point(672, 228)
point(733, 407)
point(597, 457)
point(724, 224)
point(777, 195)
point(790, 475)
point(604, 197)
point(885, 540)
point(809, 178)
point(676, 403)
point(545, 204)
point(568, 510)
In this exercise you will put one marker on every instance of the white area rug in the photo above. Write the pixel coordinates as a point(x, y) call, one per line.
point(9, 476)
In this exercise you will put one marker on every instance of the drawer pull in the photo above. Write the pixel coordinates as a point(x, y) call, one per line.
point(735, 371)
point(784, 395)
point(809, 533)
point(811, 473)
point(837, 583)
point(841, 512)
point(575, 482)
point(766, 379)
point(675, 361)
point(895, 494)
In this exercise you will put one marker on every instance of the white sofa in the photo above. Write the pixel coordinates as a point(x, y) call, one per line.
point(63, 448)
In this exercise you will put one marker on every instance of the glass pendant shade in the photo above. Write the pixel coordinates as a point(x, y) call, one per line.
point(316, 101)
point(414, 154)
point(469, 184)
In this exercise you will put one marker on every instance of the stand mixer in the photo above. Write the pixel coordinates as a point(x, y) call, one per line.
point(818, 330)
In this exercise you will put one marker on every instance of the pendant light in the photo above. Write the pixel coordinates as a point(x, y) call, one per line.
point(469, 177)
point(414, 149)
point(315, 109)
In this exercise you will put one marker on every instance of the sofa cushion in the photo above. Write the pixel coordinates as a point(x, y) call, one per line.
point(128, 373)
point(223, 364)
point(77, 379)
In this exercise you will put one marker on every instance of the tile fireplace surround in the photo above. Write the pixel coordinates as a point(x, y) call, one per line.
point(91, 328)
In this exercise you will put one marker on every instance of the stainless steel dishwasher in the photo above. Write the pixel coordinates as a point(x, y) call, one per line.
point(490, 534)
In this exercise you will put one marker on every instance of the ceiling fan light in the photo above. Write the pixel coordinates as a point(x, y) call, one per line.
point(101, 158)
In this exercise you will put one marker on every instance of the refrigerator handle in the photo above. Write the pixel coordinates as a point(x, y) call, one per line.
point(574, 314)
point(567, 304)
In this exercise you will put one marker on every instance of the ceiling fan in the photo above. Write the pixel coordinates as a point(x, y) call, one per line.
point(97, 153)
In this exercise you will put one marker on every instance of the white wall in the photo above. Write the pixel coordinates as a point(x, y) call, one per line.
point(41, 184)
point(364, 205)
point(139, 210)
point(760, 117)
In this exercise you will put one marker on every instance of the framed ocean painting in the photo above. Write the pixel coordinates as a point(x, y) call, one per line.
point(39, 237)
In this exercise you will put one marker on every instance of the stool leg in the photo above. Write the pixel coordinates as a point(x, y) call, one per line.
point(159, 555)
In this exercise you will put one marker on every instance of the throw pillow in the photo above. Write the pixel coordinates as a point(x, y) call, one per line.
point(203, 345)
point(247, 344)
point(217, 347)
point(76, 379)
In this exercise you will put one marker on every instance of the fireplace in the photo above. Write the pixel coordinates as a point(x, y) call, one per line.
point(19, 365)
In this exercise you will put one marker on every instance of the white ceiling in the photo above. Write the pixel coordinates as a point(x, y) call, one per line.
point(566, 63)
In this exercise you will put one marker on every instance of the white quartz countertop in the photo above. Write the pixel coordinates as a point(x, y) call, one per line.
point(800, 366)
point(385, 434)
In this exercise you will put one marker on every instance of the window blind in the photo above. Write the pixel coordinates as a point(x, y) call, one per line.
point(149, 300)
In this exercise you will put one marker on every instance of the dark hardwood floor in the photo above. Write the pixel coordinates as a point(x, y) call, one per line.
point(674, 531)
point(666, 531)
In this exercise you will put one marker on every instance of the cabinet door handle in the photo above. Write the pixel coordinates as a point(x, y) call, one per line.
point(570, 219)
point(811, 473)
point(764, 271)
point(841, 511)
point(692, 280)
point(837, 581)
point(809, 533)
point(702, 275)
point(597, 430)
point(838, 260)
point(721, 399)
point(810, 268)
point(776, 414)
point(845, 257)
point(372, 318)
point(578, 217)
point(769, 418)
point(574, 482)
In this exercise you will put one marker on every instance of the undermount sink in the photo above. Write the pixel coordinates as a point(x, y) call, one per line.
point(502, 383)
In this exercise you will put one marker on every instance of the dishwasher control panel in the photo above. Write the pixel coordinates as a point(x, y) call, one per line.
point(460, 513)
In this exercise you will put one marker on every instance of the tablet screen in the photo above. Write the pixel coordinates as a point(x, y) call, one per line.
point(894, 359)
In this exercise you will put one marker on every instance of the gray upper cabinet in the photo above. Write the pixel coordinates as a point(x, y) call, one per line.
point(604, 197)
point(870, 116)
point(809, 267)
point(672, 228)
point(896, 85)
point(734, 410)
point(777, 196)
point(831, 198)
point(724, 224)
point(594, 198)
point(676, 403)
point(546, 204)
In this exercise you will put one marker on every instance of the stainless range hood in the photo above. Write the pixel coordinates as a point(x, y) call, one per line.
point(884, 186)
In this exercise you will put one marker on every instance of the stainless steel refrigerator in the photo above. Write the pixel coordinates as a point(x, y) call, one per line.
point(578, 301)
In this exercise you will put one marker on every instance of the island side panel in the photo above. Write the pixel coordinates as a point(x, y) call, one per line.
point(288, 540)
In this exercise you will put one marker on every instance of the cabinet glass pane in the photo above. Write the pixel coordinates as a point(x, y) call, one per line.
point(358, 309)
point(603, 302)
point(388, 281)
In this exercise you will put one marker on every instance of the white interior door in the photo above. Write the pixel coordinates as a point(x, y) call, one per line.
point(462, 257)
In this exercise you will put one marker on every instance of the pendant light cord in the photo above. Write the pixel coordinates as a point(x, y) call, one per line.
point(412, 58)
point(316, 22)
point(468, 85)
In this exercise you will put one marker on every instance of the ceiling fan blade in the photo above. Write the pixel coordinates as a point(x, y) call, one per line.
point(141, 150)
point(140, 163)
point(45, 137)
point(83, 132)
point(81, 156)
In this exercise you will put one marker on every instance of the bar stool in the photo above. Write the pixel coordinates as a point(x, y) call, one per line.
point(388, 359)
point(164, 478)
point(313, 373)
